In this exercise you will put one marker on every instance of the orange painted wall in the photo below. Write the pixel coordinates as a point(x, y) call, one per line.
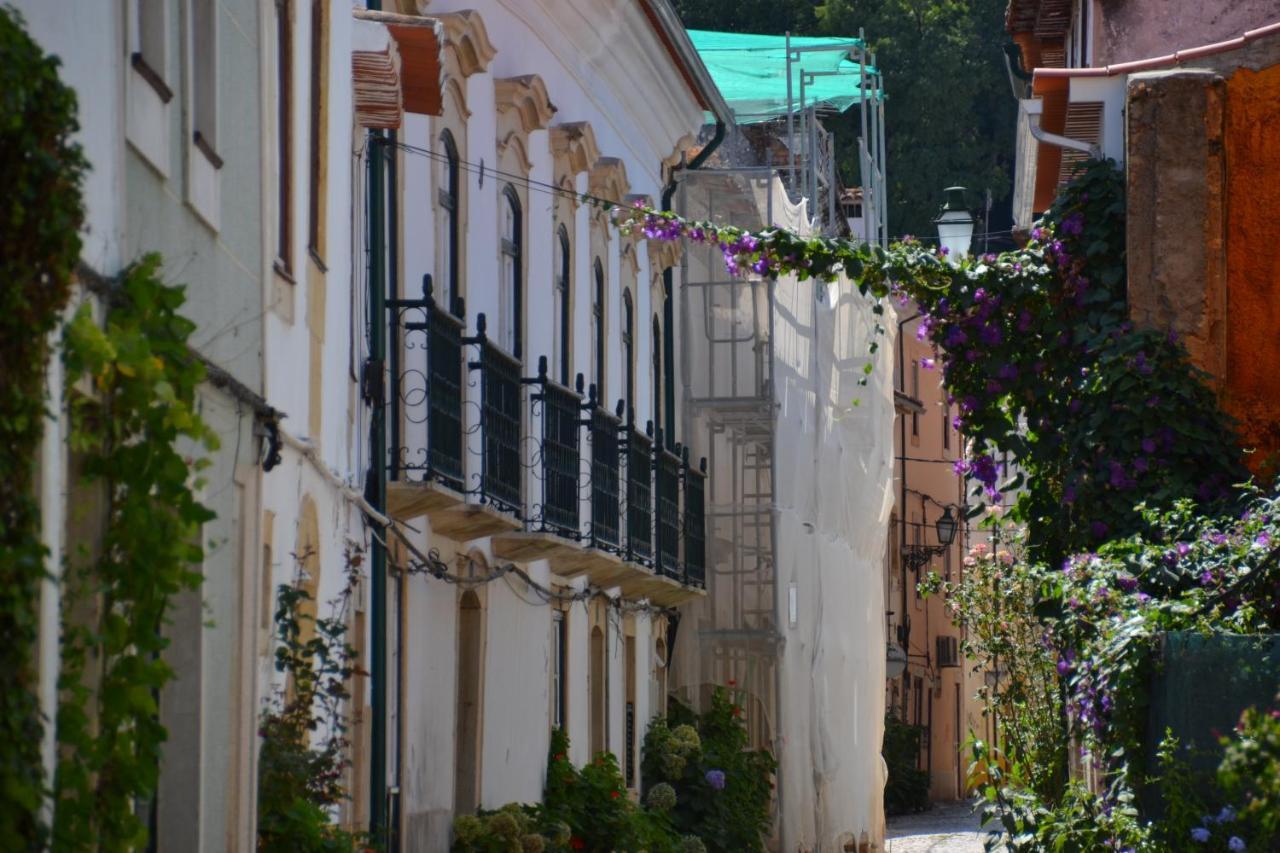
point(1252, 392)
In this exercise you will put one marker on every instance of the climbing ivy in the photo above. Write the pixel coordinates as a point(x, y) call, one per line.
point(40, 217)
point(135, 429)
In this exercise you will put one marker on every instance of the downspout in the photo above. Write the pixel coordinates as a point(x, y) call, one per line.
point(1033, 107)
point(904, 622)
point(376, 483)
point(668, 301)
point(393, 287)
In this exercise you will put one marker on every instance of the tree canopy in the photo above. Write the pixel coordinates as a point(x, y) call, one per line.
point(949, 119)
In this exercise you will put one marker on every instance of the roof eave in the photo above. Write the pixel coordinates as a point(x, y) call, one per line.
point(671, 31)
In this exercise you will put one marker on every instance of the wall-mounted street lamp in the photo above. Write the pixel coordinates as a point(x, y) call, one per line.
point(955, 224)
point(916, 557)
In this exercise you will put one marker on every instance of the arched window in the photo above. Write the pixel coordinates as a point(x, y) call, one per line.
point(656, 411)
point(511, 309)
point(597, 327)
point(449, 200)
point(564, 326)
point(628, 347)
point(599, 693)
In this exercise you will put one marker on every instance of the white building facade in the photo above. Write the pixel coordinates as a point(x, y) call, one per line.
point(526, 391)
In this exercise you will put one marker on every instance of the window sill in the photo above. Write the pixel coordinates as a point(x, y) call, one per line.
point(204, 147)
point(282, 270)
point(317, 260)
point(153, 78)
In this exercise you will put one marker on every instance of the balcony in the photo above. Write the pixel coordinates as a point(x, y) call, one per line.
point(552, 527)
point(627, 513)
point(695, 525)
point(427, 435)
point(666, 469)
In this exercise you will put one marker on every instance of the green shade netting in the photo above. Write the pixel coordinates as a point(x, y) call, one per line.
point(751, 72)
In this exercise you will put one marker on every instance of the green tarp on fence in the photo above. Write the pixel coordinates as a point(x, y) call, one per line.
point(751, 72)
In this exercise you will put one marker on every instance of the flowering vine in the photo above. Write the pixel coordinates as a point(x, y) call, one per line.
point(1039, 357)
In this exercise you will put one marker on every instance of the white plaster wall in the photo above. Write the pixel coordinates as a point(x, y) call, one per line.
point(89, 46)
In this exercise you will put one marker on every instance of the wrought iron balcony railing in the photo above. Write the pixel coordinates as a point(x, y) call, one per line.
point(426, 367)
point(500, 394)
point(666, 466)
point(695, 523)
point(606, 465)
point(560, 452)
point(638, 453)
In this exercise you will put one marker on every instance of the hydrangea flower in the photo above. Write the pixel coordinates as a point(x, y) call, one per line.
point(1200, 835)
point(715, 778)
point(1235, 844)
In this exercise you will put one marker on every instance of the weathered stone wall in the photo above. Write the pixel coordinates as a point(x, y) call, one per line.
point(1175, 209)
point(1127, 30)
point(1203, 190)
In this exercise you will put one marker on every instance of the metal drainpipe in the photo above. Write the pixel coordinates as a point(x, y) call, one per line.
point(905, 620)
point(376, 489)
point(668, 301)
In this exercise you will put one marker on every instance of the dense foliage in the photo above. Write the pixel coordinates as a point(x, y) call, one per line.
point(40, 217)
point(135, 429)
point(907, 790)
point(994, 600)
point(584, 808)
point(305, 746)
point(723, 791)
point(703, 790)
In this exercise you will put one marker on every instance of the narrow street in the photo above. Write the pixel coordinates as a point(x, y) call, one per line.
point(946, 828)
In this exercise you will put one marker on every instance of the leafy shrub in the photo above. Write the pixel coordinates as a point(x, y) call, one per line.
point(299, 781)
point(723, 791)
point(908, 787)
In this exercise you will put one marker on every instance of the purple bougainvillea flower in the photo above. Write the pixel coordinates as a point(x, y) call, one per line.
point(1263, 540)
point(928, 363)
point(1098, 529)
point(715, 778)
point(1183, 549)
point(1206, 577)
point(1069, 495)
point(1148, 445)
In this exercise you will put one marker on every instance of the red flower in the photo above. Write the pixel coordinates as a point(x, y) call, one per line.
point(614, 794)
point(558, 756)
point(732, 682)
point(577, 843)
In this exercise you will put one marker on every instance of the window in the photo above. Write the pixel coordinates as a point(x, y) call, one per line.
point(915, 392)
point(599, 693)
point(559, 653)
point(510, 296)
point(597, 328)
point(284, 136)
point(319, 126)
point(564, 325)
point(628, 349)
point(204, 84)
point(147, 42)
point(657, 370)
point(946, 426)
point(448, 243)
point(629, 748)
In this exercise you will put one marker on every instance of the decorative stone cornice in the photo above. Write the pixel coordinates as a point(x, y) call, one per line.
point(576, 144)
point(527, 96)
point(608, 179)
point(465, 34)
